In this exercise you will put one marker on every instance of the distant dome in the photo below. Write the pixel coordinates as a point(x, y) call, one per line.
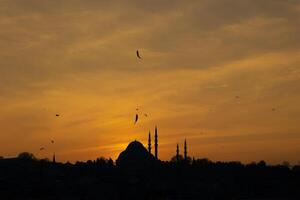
point(135, 145)
point(135, 156)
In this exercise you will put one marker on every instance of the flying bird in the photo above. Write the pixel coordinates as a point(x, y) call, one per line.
point(146, 115)
point(138, 54)
point(136, 118)
point(42, 148)
point(57, 115)
point(273, 109)
point(52, 141)
point(237, 97)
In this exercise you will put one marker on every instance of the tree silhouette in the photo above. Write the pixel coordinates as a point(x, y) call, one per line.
point(26, 156)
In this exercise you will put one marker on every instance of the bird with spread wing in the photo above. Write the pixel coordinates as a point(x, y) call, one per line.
point(138, 54)
point(136, 118)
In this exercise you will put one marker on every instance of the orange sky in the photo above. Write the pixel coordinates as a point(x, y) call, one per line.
point(77, 58)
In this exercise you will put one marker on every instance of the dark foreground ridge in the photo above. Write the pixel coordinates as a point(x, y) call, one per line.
point(137, 174)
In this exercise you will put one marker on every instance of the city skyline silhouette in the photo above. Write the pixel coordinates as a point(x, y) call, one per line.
point(149, 99)
point(225, 75)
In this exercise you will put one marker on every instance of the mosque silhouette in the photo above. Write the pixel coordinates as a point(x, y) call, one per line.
point(136, 156)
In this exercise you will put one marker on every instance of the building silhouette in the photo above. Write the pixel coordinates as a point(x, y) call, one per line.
point(177, 153)
point(135, 157)
point(149, 142)
point(156, 143)
point(185, 150)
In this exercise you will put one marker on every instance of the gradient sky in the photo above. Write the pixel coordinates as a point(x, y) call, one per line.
point(77, 58)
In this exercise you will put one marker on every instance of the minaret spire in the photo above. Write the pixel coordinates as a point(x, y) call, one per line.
point(155, 143)
point(53, 160)
point(149, 142)
point(185, 150)
point(177, 153)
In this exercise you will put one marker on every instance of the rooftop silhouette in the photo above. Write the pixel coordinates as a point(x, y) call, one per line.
point(135, 156)
point(138, 174)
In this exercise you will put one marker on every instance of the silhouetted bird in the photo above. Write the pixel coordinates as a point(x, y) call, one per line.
point(136, 118)
point(138, 54)
point(146, 115)
point(273, 109)
point(52, 141)
point(42, 148)
point(57, 115)
point(237, 97)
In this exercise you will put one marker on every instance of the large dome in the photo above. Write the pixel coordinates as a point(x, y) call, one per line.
point(135, 156)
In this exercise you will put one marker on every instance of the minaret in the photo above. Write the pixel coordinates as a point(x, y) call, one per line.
point(149, 143)
point(185, 150)
point(54, 158)
point(155, 144)
point(177, 153)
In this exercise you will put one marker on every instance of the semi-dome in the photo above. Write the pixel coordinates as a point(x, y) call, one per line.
point(135, 156)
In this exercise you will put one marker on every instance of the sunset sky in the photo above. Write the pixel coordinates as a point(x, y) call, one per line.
point(224, 74)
